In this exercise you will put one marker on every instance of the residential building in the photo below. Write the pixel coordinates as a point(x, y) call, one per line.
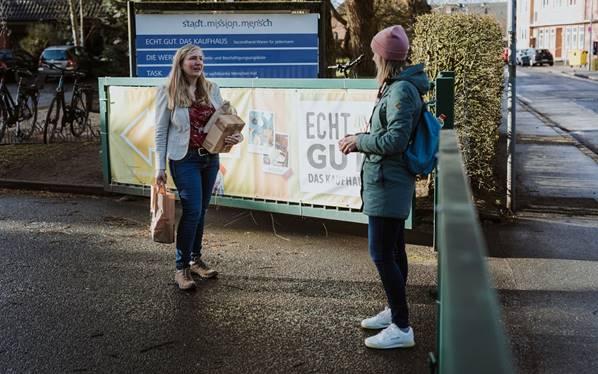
point(497, 10)
point(523, 23)
point(558, 25)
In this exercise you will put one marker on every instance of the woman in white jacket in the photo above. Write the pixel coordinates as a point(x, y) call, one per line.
point(183, 106)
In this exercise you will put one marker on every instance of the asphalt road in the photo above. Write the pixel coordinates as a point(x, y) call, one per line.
point(83, 289)
point(571, 103)
point(541, 84)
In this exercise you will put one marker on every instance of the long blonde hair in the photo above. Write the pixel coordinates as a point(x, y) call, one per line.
point(178, 87)
point(386, 68)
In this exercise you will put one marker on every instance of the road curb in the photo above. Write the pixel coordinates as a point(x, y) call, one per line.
point(580, 76)
point(584, 76)
point(80, 189)
point(560, 130)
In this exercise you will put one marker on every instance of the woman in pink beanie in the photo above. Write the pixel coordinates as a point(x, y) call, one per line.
point(387, 185)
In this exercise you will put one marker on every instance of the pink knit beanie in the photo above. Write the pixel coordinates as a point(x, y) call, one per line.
point(391, 43)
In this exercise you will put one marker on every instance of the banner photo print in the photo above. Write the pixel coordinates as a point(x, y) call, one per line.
point(290, 152)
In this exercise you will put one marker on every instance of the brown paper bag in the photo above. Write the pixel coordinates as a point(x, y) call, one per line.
point(162, 212)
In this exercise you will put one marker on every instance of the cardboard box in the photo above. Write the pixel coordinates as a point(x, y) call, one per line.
point(223, 126)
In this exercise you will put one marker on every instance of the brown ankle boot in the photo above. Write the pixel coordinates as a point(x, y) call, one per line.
point(183, 279)
point(202, 269)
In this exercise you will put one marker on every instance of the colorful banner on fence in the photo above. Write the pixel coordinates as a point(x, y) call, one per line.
point(290, 152)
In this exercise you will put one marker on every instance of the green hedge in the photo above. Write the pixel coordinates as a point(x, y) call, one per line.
point(471, 46)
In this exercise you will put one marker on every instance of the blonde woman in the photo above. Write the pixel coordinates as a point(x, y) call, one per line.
point(387, 185)
point(183, 106)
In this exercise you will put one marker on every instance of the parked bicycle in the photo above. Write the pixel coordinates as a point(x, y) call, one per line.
point(347, 69)
point(74, 114)
point(22, 112)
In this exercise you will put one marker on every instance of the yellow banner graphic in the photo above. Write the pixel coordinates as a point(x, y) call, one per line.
point(290, 152)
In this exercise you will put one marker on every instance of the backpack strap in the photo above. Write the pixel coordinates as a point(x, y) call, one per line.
point(382, 118)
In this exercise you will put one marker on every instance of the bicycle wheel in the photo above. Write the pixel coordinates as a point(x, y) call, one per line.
point(3, 118)
point(80, 114)
point(27, 115)
point(53, 118)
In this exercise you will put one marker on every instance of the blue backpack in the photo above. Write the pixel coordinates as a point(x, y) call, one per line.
point(420, 155)
point(421, 152)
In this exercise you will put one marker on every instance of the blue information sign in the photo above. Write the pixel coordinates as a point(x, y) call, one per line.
point(235, 46)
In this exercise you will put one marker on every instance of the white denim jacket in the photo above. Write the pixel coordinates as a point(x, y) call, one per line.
point(173, 127)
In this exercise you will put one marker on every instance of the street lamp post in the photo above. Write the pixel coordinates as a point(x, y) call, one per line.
point(511, 104)
point(591, 28)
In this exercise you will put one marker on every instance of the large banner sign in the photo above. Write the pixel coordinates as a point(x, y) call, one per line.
point(290, 152)
point(235, 45)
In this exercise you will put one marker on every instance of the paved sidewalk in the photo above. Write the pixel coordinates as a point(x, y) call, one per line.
point(575, 71)
point(84, 289)
point(553, 168)
point(545, 260)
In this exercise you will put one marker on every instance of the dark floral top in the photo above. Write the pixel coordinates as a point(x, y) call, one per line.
point(199, 114)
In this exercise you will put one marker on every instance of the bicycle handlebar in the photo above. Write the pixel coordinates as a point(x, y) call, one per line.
point(79, 74)
point(344, 68)
point(356, 61)
point(53, 66)
point(22, 71)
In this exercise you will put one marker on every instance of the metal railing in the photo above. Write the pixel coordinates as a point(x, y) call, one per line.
point(470, 337)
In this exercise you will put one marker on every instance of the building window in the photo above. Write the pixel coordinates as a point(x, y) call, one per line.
point(541, 38)
point(581, 37)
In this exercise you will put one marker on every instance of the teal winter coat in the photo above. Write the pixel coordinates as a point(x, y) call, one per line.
point(387, 186)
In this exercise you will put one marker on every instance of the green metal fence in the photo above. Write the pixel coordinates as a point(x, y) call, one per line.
point(275, 206)
point(470, 337)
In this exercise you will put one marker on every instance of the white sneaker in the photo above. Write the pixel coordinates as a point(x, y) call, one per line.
point(391, 337)
point(379, 321)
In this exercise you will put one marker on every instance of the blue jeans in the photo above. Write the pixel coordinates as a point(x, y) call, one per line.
point(194, 177)
point(386, 241)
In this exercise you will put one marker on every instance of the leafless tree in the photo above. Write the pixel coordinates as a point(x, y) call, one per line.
point(362, 27)
point(74, 23)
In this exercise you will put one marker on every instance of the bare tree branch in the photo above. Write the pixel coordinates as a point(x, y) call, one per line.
point(337, 15)
point(363, 26)
point(74, 25)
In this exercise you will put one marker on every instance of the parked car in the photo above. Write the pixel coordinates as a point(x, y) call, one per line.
point(540, 57)
point(17, 58)
point(66, 57)
point(522, 58)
